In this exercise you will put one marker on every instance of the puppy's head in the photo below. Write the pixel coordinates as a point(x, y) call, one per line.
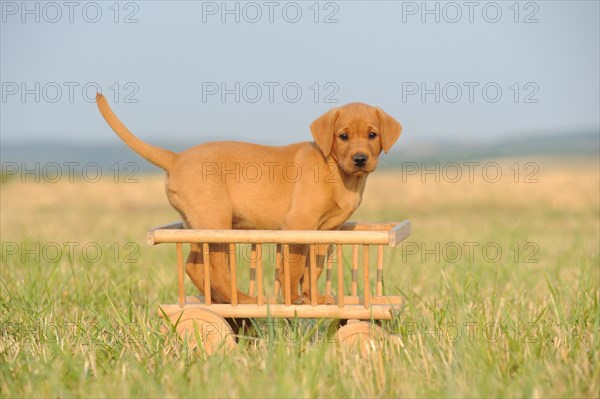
point(354, 135)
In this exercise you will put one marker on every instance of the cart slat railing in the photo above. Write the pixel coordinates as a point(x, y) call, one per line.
point(354, 234)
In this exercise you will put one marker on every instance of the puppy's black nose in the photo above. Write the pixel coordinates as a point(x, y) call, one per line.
point(360, 159)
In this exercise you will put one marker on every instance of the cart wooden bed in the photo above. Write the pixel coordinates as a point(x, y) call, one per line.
point(197, 317)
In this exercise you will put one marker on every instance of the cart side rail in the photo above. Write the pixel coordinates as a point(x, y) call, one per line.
point(390, 234)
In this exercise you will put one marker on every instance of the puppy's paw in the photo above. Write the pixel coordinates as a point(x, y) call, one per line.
point(326, 299)
point(321, 299)
point(247, 299)
point(301, 301)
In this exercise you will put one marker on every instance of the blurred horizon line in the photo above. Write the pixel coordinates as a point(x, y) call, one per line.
point(179, 142)
point(106, 155)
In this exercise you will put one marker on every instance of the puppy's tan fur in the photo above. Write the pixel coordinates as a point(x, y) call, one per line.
point(303, 186)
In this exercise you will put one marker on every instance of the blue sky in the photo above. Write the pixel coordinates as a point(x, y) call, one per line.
point(446, 70)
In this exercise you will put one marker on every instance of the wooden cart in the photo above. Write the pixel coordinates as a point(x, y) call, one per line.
point(197, 317)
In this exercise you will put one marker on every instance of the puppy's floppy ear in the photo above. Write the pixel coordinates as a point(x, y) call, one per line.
point(322, 130)
point(389, 128)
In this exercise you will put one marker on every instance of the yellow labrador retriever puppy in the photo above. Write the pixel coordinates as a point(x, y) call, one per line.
point(303, 186)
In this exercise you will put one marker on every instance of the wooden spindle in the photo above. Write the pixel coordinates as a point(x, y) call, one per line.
point(340, 271)
point(366, 283)
point(233, 275)
point(286, 275)
point(313, 274)
point(329, 272)
point(180, 284)
point(206, 266)
point(252, 270)
point(379, 286)
point(259, 274)
point(354, 270)
point(277, 270)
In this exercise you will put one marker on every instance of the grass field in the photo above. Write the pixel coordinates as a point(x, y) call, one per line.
point(501, 284)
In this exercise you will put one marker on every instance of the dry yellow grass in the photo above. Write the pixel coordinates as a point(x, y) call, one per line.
point(83, 211)
point(558, 186)
point(552, 212)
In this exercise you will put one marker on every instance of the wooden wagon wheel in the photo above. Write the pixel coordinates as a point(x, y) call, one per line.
point(214, 332)
point(359, 335)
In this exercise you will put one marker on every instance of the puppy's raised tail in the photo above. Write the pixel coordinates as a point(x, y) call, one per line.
point(158, 156)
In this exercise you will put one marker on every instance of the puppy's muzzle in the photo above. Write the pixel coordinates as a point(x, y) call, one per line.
point(360, 160)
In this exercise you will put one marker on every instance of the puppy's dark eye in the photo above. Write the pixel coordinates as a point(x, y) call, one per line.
point(343, 136)
point(372, 135)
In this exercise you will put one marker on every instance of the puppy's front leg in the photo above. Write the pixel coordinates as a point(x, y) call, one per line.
point(297, 259)
point(301, 217)
point(322, 250)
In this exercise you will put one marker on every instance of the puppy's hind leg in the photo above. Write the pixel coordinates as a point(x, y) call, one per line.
point(193, 267)
point(220, 277)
